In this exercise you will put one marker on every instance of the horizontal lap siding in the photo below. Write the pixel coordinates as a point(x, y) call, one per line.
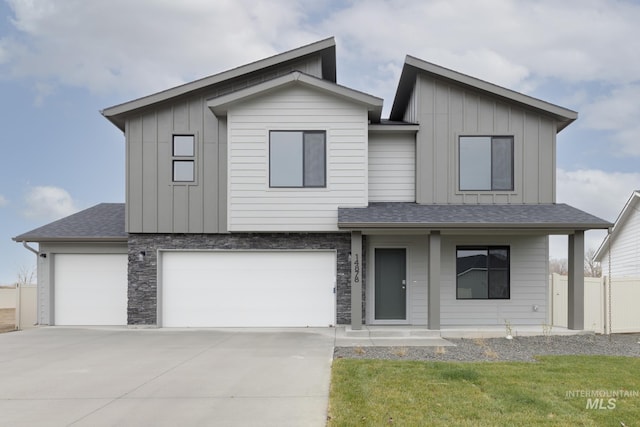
point(392, 168)
point(529, 281)
point(253, 205)
point(625, 249)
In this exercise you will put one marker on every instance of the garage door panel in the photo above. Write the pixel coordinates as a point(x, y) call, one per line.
point(90, 289)
point(248, 288)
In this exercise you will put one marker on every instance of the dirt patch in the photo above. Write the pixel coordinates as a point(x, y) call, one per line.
point(7, 319)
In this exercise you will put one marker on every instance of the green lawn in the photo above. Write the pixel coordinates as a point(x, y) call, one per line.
point(410, 393)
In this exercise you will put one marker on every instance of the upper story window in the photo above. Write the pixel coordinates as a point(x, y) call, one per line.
point(183, 151)
point(297, 159)
point(486, 163)
point(482, 272)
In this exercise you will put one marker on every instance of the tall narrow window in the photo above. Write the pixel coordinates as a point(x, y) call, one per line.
point(482, 272)
point(297, 159)
point(486, 163)
point(183, 163)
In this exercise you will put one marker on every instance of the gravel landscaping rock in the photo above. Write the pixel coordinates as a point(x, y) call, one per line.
point(501, 349)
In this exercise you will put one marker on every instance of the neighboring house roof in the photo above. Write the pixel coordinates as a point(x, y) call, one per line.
point(100, 223)
point(325, 48)
point(629, 207)
point(220, 104)
point(520, 216)
point(413, 65)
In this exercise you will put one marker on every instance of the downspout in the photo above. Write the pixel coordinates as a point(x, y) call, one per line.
point(29, 248)
point(19, 302)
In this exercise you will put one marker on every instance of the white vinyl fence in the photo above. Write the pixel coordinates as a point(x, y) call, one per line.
point(621, 310)
point(24, 300)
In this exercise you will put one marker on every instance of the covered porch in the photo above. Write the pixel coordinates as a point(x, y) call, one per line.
point(432, 237)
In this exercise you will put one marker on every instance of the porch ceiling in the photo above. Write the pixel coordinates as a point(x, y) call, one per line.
point(552, 217)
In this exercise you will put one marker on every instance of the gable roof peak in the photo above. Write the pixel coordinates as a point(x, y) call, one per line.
point(324, 48)
point(413, 66)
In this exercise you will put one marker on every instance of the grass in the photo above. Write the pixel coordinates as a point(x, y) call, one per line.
point(412, 393)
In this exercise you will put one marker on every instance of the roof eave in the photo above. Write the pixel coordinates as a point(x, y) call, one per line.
point(71, 239)
point(116, 114)
point(563, 116)
point(221, 104)
point(475, 226)
point(622, 216)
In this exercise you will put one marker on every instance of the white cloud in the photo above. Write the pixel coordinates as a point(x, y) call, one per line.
point(49, 203)
point(155, 45)
point(597, 192)
point(3, 201)
point(617, 112)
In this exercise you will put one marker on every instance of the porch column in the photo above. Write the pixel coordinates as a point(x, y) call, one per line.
point(576, 281)
point(356, 280)
point(433, 284)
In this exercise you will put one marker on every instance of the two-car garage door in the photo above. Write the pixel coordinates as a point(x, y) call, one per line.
point(247, 288)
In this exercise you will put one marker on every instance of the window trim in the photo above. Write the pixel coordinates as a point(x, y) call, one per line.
point(488, 271)
point(513, 164)
point(183, 159)
point(324, 160)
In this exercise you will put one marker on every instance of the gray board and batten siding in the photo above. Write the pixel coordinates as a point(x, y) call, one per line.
point(156, 204)
point(448, 105)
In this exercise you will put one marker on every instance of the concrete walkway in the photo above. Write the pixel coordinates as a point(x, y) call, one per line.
point(55, 376)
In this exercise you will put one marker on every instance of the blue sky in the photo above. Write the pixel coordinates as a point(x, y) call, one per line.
point(62, 61)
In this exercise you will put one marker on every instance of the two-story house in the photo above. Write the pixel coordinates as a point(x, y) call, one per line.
point(269, 195)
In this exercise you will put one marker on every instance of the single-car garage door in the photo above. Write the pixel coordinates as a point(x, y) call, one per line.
point(90, 289)
point(248, 288)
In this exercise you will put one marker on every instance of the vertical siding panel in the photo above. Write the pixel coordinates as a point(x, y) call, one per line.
point(165, 189)
point(223, 176)
point(196, 202)
point(180, 206)
point(210, 169)
point(149, 173)
point(164, 174)
point(501, 119)
point(486, 114)
point(546, 151)
point(517, 127)
point(441, 168)
point(530, 159)
point(425, 149)
point(135, 176)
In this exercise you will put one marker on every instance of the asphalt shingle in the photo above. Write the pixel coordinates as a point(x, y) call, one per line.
point(101, 222)
point(556, 216)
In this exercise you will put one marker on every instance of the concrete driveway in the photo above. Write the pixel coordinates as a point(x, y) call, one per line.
point(55, 376)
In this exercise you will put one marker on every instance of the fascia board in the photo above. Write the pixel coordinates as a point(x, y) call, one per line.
point(220, 105)
point(111, 113)
point(622, 217)
point(565, 115)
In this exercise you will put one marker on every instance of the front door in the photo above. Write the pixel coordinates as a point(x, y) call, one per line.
point(390, 284)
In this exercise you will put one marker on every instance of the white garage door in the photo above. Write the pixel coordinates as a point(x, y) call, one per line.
point(90, 289)
point(252, 288)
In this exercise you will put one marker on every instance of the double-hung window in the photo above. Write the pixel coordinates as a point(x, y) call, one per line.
point(486, 163)
point(297, 159)
point(183, 163)
point(482, 272)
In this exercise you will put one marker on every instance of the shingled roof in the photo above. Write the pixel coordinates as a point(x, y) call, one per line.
point(103, 222)
point(412, 215)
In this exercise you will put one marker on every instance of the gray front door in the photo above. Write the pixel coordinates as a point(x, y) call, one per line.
point(390, 284)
